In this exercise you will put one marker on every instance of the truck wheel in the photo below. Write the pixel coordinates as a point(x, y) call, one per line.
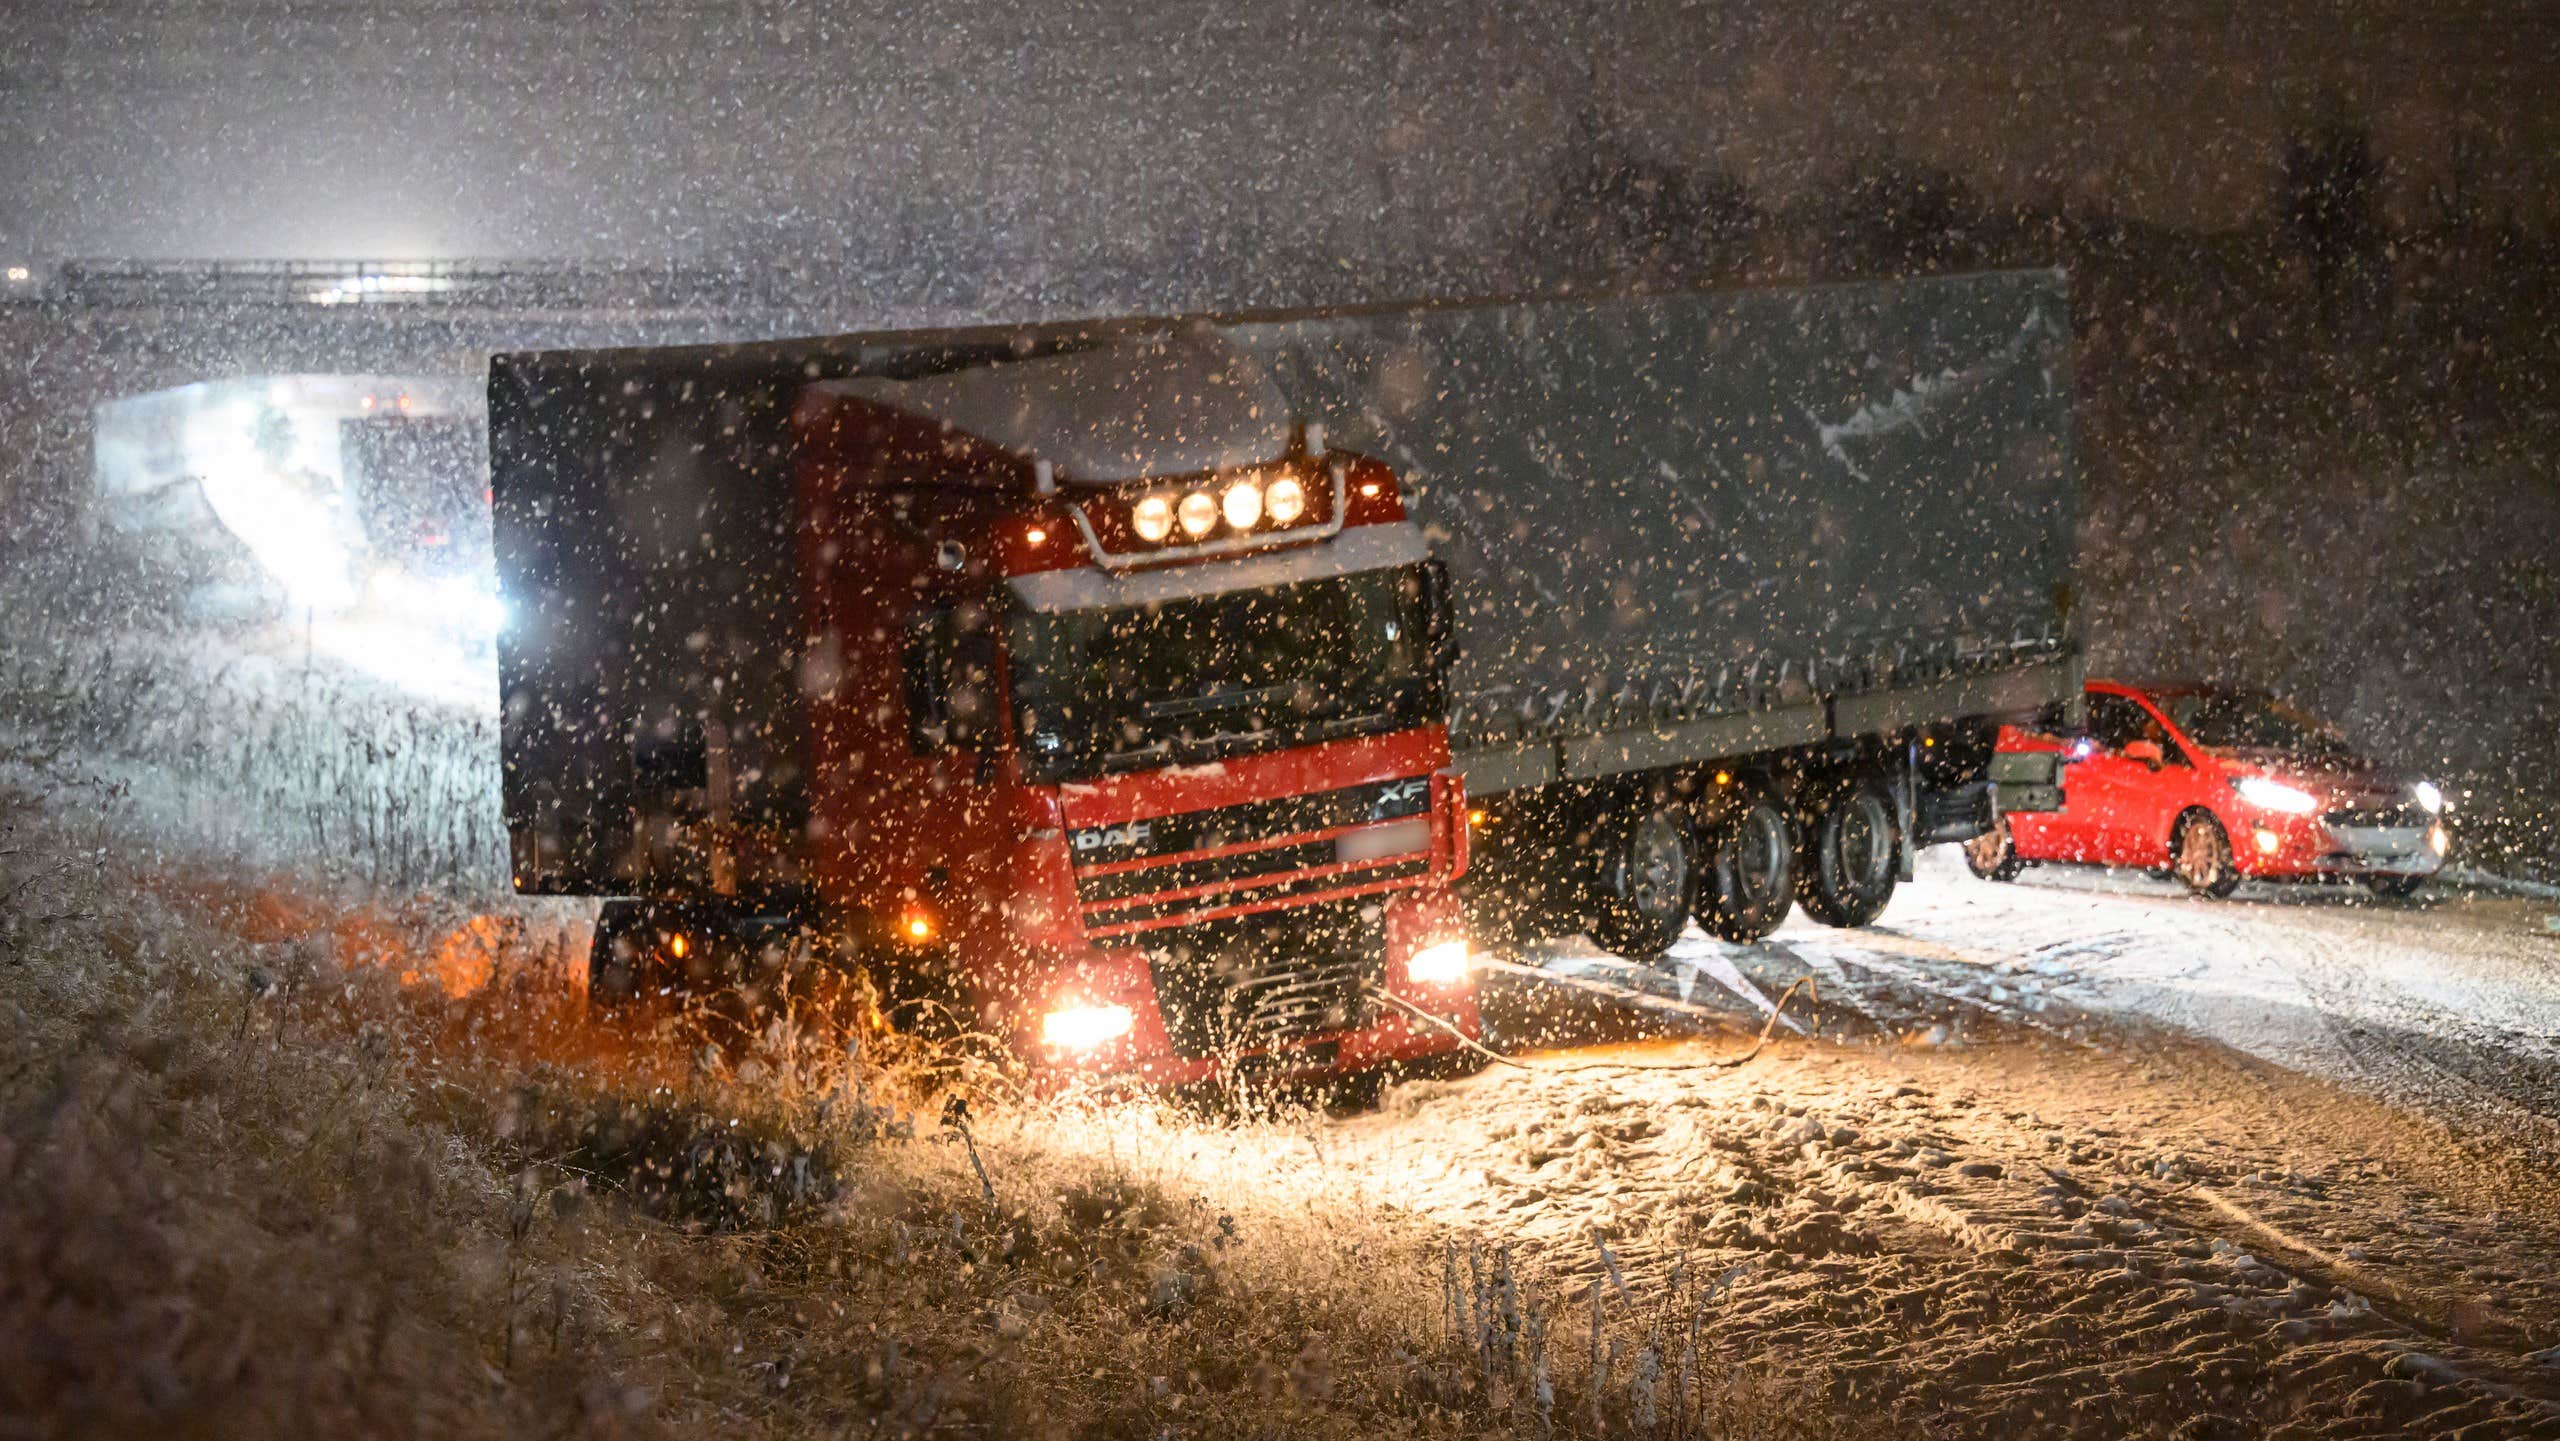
point(1640, 898)
point(1749, 873)
point(2200, 854)
point(1993, 855)
point(1847, 869)
point(618, 957)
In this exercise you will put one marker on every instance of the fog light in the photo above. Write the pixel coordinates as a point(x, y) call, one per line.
point(1199, 514)
point(2439, 840)
point(1440, 964)
point(1081, 1028)
point(2267, 843)
point(1152, 518)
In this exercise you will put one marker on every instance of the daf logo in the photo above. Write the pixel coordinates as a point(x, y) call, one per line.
point(1135, 833)
point(1395, 793)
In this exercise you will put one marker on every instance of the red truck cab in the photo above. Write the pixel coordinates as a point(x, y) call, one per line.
point(1125, 707)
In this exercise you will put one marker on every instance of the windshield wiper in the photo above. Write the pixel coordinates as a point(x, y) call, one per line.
point(1217, 700)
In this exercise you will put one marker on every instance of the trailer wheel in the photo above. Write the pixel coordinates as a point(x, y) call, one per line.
point(1646, 876)
point(1748, 878)
point(1848, 865)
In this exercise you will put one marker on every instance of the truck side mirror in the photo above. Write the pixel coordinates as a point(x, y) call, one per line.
point(1439, 614)
point(950, 669)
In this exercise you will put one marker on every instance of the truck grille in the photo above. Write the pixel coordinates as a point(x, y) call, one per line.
point(1249, 984)
point(1140, 876)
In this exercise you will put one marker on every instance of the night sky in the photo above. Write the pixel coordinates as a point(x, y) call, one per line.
point(686, 128)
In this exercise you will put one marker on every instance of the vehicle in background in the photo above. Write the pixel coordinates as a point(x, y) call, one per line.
point(2218, 786)
point(1744, 584)
point(1053, 675)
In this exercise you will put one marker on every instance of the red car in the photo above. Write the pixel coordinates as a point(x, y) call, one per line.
point(2219, 786)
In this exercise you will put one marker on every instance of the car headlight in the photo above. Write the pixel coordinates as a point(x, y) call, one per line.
point(1152, 518)
point(2439, 840)
point(1285, 501)
point(1442, 963)
point(1242, 505)
point(1199, 514)
point(1081, 1028)
point(2274, 795)
point(2429, 795)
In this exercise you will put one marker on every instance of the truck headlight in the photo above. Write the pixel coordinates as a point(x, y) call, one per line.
point(1242, 505)
point(1199, 514)
point(2273, 795)
point(1285, 501)
point(1152, 518)
point(2430, 796)
point(1442, 963)
point(1081, 1028)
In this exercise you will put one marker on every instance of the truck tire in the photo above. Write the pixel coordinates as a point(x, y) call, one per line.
point(1747, 879)
point(1645, 876)
point(1846, 873)
point(618, 958)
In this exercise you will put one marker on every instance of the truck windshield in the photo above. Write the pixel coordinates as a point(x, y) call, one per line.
point(1208, 677)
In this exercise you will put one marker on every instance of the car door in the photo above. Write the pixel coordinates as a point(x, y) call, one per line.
point(2150, 801)
point(2104, 790)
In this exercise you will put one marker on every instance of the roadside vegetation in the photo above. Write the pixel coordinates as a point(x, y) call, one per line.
point(264, 1173)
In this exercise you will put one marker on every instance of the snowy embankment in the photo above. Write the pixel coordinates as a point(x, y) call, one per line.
point(237, 748)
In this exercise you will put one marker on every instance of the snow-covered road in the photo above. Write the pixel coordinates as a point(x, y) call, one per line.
point(2449, 1002)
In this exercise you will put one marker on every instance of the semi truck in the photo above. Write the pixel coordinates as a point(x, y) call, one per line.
point(1140, 689)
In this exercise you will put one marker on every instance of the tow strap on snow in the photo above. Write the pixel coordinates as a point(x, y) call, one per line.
point(1720, 1063)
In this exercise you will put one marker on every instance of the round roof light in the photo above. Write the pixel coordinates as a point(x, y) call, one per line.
point(1199, 514)
point(1285, 501)
point(1242, 504)
point(1152, 518)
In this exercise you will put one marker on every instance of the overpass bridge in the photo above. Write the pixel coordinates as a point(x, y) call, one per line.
point(82, 334)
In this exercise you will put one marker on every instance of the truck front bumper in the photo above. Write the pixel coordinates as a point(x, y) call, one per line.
point(1077, 1034)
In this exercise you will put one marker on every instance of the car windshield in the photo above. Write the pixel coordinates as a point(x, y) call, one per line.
point(2224, 720)
point(1208, 677)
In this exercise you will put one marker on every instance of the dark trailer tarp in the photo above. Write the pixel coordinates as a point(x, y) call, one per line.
point(1693, 525)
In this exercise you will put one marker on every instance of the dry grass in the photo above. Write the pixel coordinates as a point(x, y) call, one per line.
point(248, 1190)
point(270, 1167)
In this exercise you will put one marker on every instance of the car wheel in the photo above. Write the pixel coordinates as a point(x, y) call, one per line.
point(2200, 855)
point(1993, 855)
point(1645, 877)
point(1748, 872)
point(2395, 887)
point(1847, 872)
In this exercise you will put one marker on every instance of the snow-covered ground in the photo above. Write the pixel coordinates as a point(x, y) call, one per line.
point(2449, 1002)
point(2078, 1156)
